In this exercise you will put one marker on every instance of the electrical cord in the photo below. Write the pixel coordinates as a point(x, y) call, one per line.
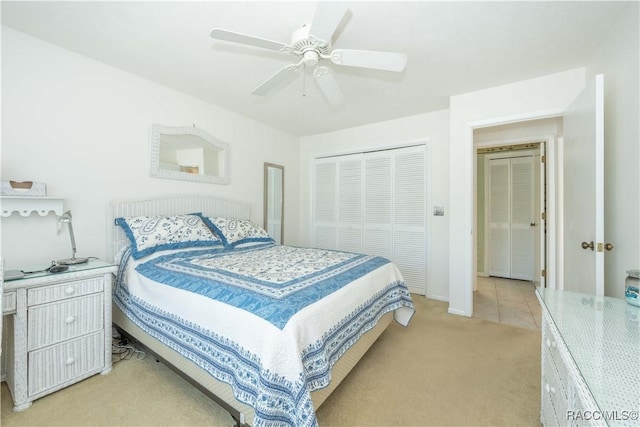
point(122, 350)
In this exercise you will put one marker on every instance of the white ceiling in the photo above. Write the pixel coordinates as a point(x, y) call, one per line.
point(453, 48)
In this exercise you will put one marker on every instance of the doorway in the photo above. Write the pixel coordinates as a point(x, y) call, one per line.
point(542, 133)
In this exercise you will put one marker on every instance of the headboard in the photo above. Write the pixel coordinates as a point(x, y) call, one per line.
point(168, 205)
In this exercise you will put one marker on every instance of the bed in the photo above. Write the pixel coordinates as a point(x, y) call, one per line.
point(268, 331)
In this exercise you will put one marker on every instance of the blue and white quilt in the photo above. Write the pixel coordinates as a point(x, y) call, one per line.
point(269, 320)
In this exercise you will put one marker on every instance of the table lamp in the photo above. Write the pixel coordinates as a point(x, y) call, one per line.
point(65, 218)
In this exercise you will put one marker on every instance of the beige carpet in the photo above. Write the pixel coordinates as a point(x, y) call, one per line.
point(442, 370)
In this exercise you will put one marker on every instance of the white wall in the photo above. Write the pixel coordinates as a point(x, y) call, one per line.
point(83, 128)
point(530, 99)
point(434, 126)
point(618, 59)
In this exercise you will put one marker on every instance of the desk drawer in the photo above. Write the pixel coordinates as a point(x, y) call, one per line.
point(60, 291)
point(52, 323)
point(56, 365)
point(9, 302)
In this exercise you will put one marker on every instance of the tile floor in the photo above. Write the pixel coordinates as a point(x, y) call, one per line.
point(511, 302)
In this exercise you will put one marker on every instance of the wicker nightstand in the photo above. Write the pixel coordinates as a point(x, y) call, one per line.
point(58, 329)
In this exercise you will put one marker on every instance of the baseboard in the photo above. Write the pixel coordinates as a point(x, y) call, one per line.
point(437, 298)
point(457, 312)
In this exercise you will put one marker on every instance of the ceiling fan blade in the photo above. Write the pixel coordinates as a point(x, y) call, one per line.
point(326, 19)
point(285, 74)
point(230, 36)
point(387, 61)
point(329, 86)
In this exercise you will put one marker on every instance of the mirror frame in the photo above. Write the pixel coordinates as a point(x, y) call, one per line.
point(267, 167)
point(154, 151)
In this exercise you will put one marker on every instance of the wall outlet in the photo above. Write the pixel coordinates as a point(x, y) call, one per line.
point(438, 211)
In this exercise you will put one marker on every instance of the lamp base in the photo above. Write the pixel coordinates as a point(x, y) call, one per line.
point(72, 261)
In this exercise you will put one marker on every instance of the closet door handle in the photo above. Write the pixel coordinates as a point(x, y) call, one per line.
point(533, 224)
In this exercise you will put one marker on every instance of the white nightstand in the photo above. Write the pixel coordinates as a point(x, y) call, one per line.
point(58, 329)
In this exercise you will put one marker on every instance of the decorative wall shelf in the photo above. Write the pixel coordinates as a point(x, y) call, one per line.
point(25, 205)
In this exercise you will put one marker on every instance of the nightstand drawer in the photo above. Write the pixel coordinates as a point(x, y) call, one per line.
point(45, 294)
point(9, 302)
point(56, 322)
point(53, 366)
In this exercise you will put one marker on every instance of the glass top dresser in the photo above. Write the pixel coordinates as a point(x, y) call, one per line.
point(590, 362)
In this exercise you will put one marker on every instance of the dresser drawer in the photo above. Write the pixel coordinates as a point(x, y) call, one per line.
point(548, 414)
point(554, 389)
point(53, 323)
point(555, 348)
point(53, 366)
point(9, 302)
point(60, 291)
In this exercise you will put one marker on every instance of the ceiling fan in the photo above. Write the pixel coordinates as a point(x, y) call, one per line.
point(311, 45)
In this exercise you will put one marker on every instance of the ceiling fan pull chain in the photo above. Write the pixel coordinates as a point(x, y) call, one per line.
point(304, 80)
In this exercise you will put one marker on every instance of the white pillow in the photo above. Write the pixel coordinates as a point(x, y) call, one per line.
point(149, 234)
point(234, 232)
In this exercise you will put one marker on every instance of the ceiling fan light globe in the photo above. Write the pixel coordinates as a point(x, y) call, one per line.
point(310, 58)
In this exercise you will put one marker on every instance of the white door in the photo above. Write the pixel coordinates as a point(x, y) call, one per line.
point(522, 218)
point(350, 203)
point(325, 210)
point(584, 191)
point(499, 218)
point(511, 218)
point(409, 216)
point(378, 204)
point(375, 203)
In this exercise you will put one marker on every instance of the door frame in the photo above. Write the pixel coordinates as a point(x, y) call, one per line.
point(553, 265)
point(471, 259)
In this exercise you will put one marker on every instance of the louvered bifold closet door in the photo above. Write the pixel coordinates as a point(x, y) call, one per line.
point(378, 204)
point(350, 203)
point(325, 224)
point(409, 211)
point(375, 203)
point(522, 215)
point(499, 218)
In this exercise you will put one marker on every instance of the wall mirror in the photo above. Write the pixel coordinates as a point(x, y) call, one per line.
point(274, 201)
point(188, 154)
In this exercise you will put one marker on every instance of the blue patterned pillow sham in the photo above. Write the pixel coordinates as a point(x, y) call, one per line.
point(149, 234)
point(235, 232)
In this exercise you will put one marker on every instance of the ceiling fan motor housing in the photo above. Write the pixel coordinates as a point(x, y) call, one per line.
point(308, 47)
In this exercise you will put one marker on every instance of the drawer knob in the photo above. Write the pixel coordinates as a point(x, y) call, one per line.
point(70, 361)
point(69, 290)
point(550, 389)
point(70, 319)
